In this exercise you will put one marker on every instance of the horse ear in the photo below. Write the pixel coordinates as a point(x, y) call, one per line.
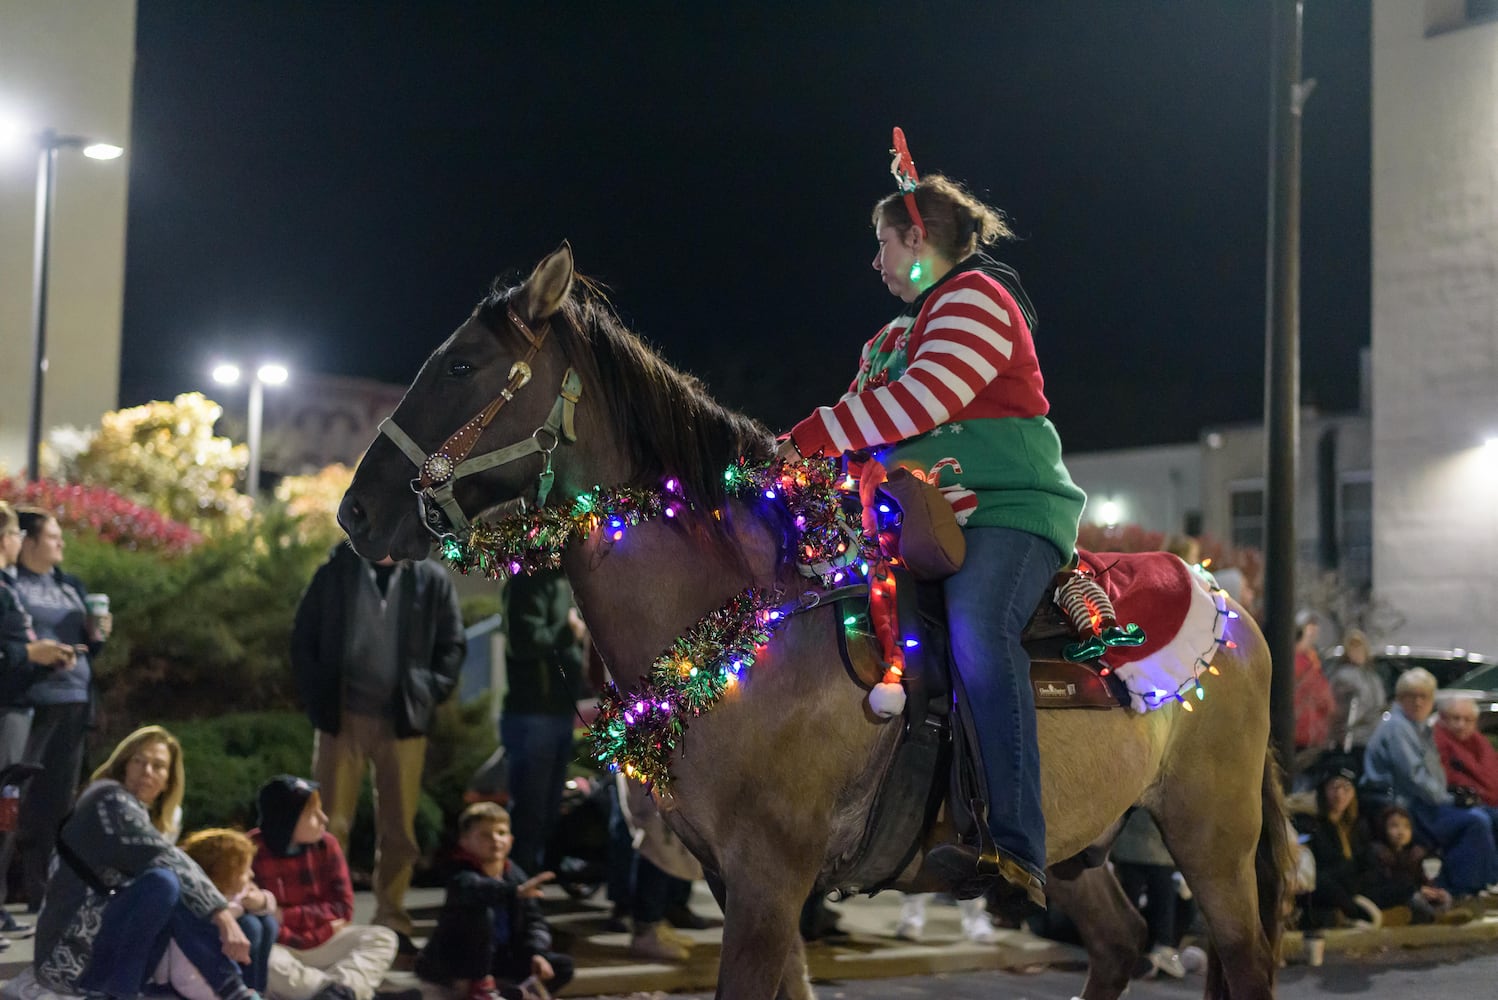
point(550, 283)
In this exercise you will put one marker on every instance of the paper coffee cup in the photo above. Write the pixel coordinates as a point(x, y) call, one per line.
point(98, 604)
point(1315, 951)
point(1431, 867)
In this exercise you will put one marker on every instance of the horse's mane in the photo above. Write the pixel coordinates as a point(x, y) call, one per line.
point(664, 417)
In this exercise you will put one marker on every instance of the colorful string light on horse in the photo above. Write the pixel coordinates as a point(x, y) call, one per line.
point(952, 388)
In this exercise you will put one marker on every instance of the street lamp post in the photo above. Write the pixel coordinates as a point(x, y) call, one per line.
point(48, 142)
point(227, 373)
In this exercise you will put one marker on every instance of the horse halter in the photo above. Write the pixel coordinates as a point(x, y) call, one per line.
point(440, 471)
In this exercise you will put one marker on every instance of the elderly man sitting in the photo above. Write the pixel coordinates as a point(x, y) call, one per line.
point(1469, 759)
point(1403, 763)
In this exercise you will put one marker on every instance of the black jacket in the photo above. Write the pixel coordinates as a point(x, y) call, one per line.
point(1338, 876)
point(430, 631)
point(465, 923)
point(16, 670)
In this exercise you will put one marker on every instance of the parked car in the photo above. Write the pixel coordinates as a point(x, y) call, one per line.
point(1452, 668)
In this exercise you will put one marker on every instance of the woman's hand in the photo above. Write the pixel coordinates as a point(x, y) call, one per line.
point(541, 969)
point(51, 653)
point(233, 943)
point(531, 887)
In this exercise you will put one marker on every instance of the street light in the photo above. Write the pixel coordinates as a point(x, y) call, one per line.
point(48, 142)
point(228, 373)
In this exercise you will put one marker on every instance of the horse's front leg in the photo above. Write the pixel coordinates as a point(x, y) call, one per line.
point(1112, 930)
point(795, 984)
point(762, 957)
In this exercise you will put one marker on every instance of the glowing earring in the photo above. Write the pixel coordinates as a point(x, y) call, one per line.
point(916, 271)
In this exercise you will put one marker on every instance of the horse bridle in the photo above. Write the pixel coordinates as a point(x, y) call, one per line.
point(439, 471)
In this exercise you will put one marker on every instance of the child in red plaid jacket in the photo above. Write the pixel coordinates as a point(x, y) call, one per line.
point(320, 953)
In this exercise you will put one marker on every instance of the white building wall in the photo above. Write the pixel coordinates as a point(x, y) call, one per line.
point(1154, 488)
point(1435, 321)
point(68, 65)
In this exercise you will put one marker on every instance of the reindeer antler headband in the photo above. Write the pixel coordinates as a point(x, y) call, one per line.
point(903, 167)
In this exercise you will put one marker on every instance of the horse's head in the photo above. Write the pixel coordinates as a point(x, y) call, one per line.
point(477, 427)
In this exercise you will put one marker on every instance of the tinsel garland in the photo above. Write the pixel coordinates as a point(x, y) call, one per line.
point(523, 543)
point(637, 731)
point(810, 490)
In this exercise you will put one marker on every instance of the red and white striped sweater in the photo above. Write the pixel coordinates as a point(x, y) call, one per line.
point(971, 356)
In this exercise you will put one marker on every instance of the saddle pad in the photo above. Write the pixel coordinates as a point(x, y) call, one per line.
point(1183, 615)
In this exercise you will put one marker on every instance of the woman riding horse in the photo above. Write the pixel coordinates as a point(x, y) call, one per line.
point(951, 389)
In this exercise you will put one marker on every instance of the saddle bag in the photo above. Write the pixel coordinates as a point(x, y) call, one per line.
point(930, 539)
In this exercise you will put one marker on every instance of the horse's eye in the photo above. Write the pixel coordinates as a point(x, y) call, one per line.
point(460, 369)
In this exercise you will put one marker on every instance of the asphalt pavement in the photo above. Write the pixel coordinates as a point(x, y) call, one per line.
point(1406, 975)
point(1430, 961)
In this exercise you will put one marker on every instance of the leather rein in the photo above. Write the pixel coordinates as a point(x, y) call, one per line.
point(440, 470)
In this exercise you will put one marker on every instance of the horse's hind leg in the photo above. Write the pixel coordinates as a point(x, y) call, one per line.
point(1113, 931)
point(1227, 861)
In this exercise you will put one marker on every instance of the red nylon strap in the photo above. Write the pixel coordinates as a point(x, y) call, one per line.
point(442, 463)
point(906, 178)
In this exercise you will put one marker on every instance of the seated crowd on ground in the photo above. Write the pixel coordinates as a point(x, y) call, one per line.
point(1403, 826)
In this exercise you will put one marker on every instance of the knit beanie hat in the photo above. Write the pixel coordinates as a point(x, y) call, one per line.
point(282, 800)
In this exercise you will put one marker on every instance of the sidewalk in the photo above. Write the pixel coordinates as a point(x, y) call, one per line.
point(604, 966)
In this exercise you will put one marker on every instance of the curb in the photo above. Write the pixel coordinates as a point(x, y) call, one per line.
point(861, 956)
point(1350, 942)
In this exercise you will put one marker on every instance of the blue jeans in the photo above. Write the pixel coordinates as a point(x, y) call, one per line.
point(1464, 838)
point(261, 929)
point(540, 748)
point(989, 601)
point(133, 933)
point(621, 853)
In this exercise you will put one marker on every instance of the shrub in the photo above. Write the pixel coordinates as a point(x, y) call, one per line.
point(313, 500)
point(229, 757)
point(166, 456)
point(102, 514)
point(204, 630)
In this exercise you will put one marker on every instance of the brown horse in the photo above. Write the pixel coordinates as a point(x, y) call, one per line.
point(771, 789)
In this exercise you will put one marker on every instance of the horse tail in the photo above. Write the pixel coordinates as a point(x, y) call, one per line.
point(1273, 864)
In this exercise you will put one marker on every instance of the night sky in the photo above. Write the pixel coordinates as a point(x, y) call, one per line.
point(337, 183)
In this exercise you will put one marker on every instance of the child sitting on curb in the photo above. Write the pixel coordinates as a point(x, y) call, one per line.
point(321, 953)
point(491, 939)
point(225, 857)
point(1397, 880)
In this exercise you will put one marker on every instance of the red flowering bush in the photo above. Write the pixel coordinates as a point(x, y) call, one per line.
point(103, 514)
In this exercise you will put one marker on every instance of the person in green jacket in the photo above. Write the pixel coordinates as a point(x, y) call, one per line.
point(544, 665)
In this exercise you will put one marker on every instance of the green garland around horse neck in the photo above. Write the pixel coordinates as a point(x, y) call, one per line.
point(637, 731)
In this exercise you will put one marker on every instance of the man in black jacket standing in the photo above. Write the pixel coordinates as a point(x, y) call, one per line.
point(375, 648)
